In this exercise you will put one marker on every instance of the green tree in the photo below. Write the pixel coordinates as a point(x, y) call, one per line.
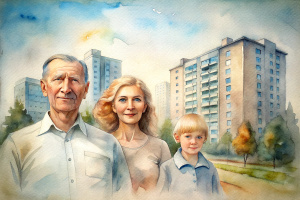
point(244, 143)
point(88, 117)
point(226, 141)
point(276, 143)
point(18, 119)
point(166, 134)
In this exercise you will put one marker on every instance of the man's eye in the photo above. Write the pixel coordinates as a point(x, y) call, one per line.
point(75, 80)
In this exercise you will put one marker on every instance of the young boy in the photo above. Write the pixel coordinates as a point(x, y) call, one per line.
point(188, 173)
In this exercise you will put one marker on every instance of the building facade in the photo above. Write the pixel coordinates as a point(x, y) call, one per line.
point(241, 80)
point(28, 91)
point(102, 71)
point(162, 101)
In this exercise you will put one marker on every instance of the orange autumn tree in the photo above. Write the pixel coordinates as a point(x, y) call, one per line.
point(244, 143)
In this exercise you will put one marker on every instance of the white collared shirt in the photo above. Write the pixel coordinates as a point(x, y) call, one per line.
point(44, 162)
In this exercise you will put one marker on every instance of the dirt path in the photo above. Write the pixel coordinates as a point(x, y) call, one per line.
point(243, 187)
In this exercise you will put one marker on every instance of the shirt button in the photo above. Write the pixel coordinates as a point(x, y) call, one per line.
point(193, 174)
point(69, 159)
point(194, 181)
point(72, 181)
point(67, 140)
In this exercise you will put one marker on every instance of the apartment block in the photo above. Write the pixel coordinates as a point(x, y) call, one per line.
point(162, 101)
point(102, 71)
point(28, 91)
point(241, 80)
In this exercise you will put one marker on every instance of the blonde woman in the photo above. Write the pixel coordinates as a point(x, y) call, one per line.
point(125, 110)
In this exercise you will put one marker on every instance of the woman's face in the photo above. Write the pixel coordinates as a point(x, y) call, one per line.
point(129, 104)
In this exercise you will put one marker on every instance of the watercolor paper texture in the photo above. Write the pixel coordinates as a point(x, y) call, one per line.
point(150, 38)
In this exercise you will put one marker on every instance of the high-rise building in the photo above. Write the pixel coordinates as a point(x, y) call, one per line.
point(28, 91)
point(102, 71)
point(162, 101)
point(241, 80)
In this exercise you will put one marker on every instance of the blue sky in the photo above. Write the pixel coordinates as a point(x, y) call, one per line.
point(150, 37)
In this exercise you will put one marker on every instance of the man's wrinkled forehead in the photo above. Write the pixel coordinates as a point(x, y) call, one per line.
point(58, 67)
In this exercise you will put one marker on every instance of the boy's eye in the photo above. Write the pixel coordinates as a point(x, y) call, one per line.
point(199, 137)
point(187, 136)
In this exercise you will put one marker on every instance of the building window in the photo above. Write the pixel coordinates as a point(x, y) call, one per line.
point(259, 103)
point(259, 130)
point(228, 88)
point(258, 77)
point(278, 97)
point(228, 114)
point(271, 88)
point(259, 112)
point(258, 85)
point(258, 59)
point(228, 122)
point(176, 98)
point(228, 130)
point(271, 79)
point(177, 111)
point(277, 58)
point(227, 53)
point(176, 77)
point(176, 84)
point(228, 71)
point(277, 66)
point(214, 132)
point(278, 106)
point(271, 55)
point(95, 66)
point(258, 51)
point(258, 67)
point(227, 96)
point(277, 73)
point(259, 94)
point(177, 91)
point(176, 71)
point(228, 105)
point(176, 104)
point(271, 63)
point(277, 81)
point(228, 80)
point(259, 120)
point(277, 89)
point(228, 62)
point(271, 96)
point(271, 113)
point(271, 105)
point(271, 71)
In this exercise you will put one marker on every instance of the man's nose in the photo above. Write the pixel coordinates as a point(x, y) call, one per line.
point(66, 86)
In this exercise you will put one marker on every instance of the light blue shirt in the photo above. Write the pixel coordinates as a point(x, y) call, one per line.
point(44, 162)
point(180, 179)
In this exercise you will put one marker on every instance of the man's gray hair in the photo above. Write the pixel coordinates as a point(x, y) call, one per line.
point(66, 58)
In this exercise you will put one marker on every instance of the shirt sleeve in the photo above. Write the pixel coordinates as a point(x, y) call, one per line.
point(122, 187)
point(165, 152)
point(10, 168)
point(163, 182)
point(216, 186)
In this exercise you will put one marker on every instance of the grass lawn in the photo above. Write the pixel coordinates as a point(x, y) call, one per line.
point(277, 177)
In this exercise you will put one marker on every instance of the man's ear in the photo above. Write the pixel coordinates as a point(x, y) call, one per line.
point(44, 87)
point(176, 137)
point(86, 89)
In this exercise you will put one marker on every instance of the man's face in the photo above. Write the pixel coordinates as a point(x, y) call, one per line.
point(64, 85)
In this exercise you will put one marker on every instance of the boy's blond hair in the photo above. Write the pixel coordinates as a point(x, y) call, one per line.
point(190, 123)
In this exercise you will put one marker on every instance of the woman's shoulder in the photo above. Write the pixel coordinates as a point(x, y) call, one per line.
point(156, 141)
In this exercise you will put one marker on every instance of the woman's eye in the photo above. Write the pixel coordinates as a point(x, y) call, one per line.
point(122, 100)
point(137, 99)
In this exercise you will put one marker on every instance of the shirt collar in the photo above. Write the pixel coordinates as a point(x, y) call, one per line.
point(180, 161)
point(47, 123)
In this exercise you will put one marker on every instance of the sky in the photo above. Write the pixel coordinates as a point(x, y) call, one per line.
point(150, 37)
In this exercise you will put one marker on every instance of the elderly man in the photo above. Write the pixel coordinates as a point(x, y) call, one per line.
point(61, 157)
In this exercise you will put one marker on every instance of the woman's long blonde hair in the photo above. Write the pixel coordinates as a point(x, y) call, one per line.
point(109, 121)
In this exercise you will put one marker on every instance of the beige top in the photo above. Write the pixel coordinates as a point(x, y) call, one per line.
point(144, 162)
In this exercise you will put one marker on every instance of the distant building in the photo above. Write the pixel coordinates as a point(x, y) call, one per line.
point(241, 80)
point(102, 71)
point(162, 101)
point(28, 91)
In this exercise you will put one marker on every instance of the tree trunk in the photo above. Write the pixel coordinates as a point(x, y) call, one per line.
point(245, 159)
point(274, 162)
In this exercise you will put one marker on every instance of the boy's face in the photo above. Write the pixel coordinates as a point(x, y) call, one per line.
point(191, 143)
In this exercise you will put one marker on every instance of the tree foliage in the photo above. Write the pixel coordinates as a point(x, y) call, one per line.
point(244, 143)
point(276, 143)
point(166, 134)
point(226, 141)
point(18, 119)
point(88, 118)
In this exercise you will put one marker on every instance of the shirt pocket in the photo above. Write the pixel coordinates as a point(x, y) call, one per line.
point(97, 165)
